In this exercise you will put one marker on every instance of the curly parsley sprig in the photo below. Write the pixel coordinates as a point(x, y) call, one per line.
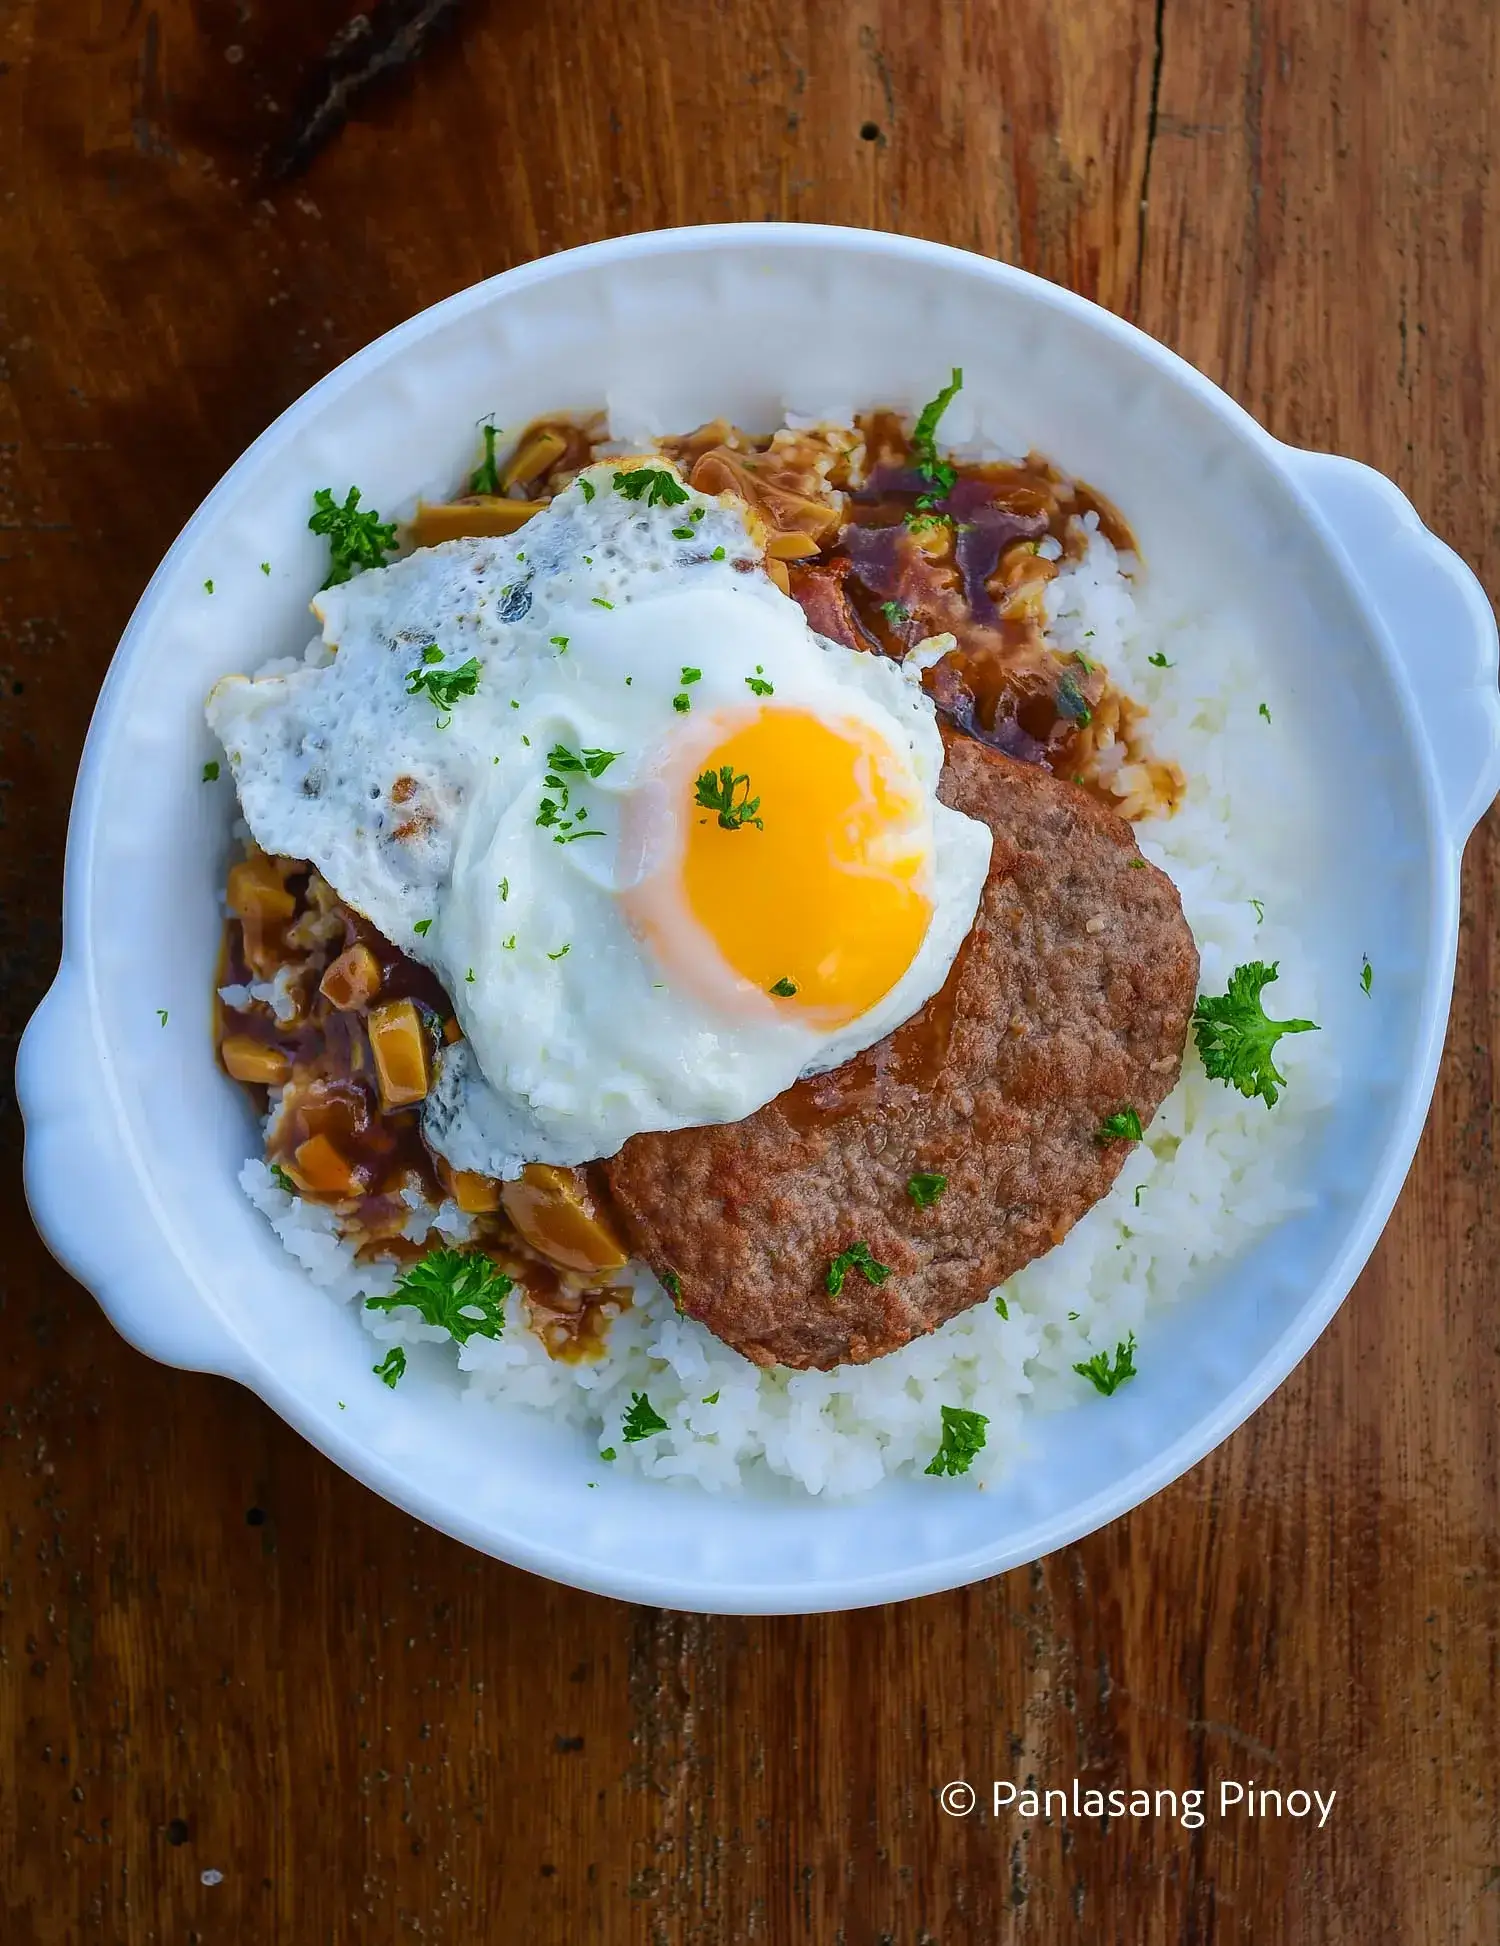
point(963, 1438)
point(728, 793)
point(443, 686)
point(486, 476)
point(653, 484)
point(1107, 1375)
point(1236, 1038)
point(938, 473)
point(641, 1419)
point(355, 540)
point(459, 1291)
point(857, 1257)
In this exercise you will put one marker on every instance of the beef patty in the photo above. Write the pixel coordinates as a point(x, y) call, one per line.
point(1068, 1003)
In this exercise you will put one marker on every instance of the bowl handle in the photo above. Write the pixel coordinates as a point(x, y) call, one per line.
point(1438, 618)
point(92, 1204)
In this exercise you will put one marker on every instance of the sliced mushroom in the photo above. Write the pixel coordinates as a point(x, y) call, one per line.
point(398, 1042)
point(251, 1060)
point(478, 514)
point(256, 891)
point(555, 1212)
point(531, 459)
point(353, 980)
point(321, 1167)
point(475, 1195)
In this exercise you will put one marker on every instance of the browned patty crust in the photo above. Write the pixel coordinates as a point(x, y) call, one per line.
point(1068, 1003)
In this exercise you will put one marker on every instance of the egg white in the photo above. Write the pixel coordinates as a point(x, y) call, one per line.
point(576, 1036)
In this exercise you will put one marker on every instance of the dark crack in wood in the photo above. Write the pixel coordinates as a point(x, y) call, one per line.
point(1153, 122)
point(370, 48)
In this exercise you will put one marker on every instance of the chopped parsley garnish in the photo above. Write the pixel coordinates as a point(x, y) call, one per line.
point(1260, 912)
point(211, 771)
point(443, 686)
point(161, 1015)
point(1367, 974)
point(895, 612)
point(595, 762)
point(1124, 1126)
point(642, 1419)
point(469, 977)
point(671, 1283)
point(1070, 700)
point(717, 555)
point(653, 484)
point(711, 1398)
point(919, 522)
point(504, 890)
point(784, 988)
point(856, 1257)
point(963, 1437)
point(509, 945)
point(422, 928)
point(391, 1367)
point(567, 763)
point(938, 474)
point(208, 587)
point(1002, 1307)
point(1134, 864)
point(600, 602)
point(719, 793)
point(587, 487)
point(265, 567)
point(1263, 711)
point(558, 642)
point(690, 676)
point(355, 540)
point(1237, 1040)
point(682, 704)
point(608, 1452)
point(924, 1190)
point(486, 476)
point(758, 686)
point(459, 1291)
point(282, 1180)
point(1159, 661)
point(682, 533)
point(1107, 1375)
point(1138, 1188)
point(561, 953)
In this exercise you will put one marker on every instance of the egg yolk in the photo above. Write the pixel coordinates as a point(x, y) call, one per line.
point(817, 895)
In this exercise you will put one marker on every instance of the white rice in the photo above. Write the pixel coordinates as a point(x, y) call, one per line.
point(1213, 1170)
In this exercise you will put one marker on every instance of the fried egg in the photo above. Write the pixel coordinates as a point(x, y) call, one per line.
point(667, 848)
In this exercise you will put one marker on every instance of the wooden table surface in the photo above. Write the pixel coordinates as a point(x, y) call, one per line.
point(242, 1699)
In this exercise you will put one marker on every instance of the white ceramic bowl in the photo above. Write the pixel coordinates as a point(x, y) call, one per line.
point(1381, 636)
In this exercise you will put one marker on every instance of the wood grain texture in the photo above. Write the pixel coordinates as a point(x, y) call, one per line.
point(219, 1655)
